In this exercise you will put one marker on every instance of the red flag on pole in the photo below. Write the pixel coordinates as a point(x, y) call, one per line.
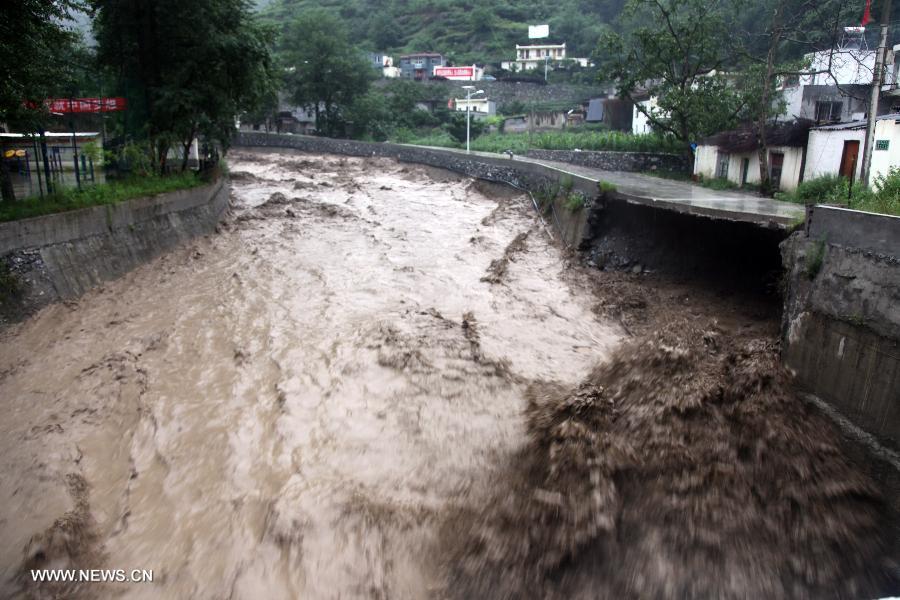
point(867, 15)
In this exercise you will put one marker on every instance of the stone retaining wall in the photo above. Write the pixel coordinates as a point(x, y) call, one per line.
point(842, 315)
point(528, 94)
point(632, 162)
point(61, 256)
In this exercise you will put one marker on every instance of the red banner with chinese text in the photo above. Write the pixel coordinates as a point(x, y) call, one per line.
point(85, 105)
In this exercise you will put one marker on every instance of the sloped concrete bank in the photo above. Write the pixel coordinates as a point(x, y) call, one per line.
point(61, 256)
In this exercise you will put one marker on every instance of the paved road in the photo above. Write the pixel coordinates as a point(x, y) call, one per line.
point(683, 196)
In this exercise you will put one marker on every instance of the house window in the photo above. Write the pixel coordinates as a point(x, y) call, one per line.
point(828, 111)
point(722, 165)
point(745, 170)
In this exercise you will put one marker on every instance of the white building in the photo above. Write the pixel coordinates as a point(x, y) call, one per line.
point(640, 123)
point(465, 73)
point(837, 86)
point(390, 72)
point(837, 149)
point(537, 56)
point(480, 107)
point(734, 155)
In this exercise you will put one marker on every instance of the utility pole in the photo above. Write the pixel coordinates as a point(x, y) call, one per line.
point(880, 55)
point(469, 94)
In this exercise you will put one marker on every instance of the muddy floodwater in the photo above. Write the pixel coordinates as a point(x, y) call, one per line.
point(284, 409)
point(377, 380)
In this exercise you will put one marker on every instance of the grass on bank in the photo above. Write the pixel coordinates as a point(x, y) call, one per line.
point(71, 198)
point(884, 198)
point(549, 140)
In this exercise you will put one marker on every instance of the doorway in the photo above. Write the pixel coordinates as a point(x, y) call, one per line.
point(848, 159)
point(776, 164)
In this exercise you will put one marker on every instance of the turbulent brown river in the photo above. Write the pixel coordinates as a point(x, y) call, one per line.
point(381, 381)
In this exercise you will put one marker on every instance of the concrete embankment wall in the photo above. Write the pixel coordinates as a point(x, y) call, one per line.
point(572, 225)
point(61, 256)
point(841, 334)
point(842, 315)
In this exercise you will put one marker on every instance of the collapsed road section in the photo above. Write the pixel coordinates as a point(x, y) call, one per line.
point(383, 380)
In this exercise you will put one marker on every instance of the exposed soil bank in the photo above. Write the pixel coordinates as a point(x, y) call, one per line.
point(386, 381)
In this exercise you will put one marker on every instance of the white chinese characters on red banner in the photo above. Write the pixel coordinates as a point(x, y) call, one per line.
point(453, 71)
point(86, 105)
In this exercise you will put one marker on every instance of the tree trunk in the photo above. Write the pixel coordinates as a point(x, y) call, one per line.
point(184, 160)
point(163, 150)
point(765, 182)
point(187, 148)
point(9, 193)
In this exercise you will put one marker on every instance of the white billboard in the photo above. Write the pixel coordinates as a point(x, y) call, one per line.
point(538, 31)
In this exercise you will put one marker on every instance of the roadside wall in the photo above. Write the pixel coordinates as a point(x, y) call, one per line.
point(535, 178)
point(61, 256)
point(617, 161)
point(841, 326)
point(504, 93)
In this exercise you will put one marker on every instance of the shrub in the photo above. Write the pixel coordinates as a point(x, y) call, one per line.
point(831, 189)
point(606, 187)
point(575, 201)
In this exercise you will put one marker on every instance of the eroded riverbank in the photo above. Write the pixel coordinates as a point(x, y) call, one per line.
point(326, 400)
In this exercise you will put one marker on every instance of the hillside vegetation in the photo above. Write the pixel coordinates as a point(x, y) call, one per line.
point(466, 32)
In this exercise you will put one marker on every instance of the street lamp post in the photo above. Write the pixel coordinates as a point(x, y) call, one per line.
point(469, 94)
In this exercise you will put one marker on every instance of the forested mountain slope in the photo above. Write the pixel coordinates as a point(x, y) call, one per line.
point(484, 31)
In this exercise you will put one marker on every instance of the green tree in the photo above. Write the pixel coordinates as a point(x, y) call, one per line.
point(189, 68)
point(324, 69)
point(383, 31)
point(32, 64)
point(456, 127)
point(677, 51)
point(772, 36)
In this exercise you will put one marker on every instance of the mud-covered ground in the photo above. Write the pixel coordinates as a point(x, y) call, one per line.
point(384, 381)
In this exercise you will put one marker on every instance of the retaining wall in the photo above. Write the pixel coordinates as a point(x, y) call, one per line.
point(61, 256)
point(841, 324)
point(617, 161)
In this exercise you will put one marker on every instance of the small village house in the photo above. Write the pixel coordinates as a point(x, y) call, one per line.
point(384, 64)
point(616, 113)
point(837, 149)
point(420, 66)
point(480, 107)
point(538, 54)
point(838, 84)
point(734, 155)
point(640, 122)
point(16, 147)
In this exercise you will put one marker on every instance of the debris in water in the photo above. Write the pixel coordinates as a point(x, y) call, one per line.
point(682, 468)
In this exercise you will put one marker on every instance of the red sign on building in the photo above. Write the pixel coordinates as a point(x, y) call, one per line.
point(86, 105)
point(448, 72)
